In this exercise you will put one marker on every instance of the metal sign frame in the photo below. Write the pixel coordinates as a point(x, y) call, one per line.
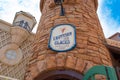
point(51, 33)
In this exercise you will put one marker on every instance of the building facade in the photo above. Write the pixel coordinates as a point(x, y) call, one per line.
point(16, 42)
point(50, 61)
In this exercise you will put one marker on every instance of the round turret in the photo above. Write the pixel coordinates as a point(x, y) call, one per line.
point(68, 44)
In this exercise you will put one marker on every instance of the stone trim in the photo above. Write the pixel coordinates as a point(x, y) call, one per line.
point(5, 26)
point(41, 4)
point(7, 48)
point(96, 4)
point(113, 43)
point(19, 35)
point(27, 15)
point(6, 78)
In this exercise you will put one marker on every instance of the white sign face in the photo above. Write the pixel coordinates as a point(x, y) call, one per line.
point(62, 38)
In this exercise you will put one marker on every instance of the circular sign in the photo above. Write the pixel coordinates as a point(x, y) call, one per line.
point(62, 38)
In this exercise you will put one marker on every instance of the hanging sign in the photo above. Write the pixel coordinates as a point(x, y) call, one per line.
point(62, 38)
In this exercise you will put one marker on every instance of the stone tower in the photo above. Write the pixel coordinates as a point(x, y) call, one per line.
point(48, 64)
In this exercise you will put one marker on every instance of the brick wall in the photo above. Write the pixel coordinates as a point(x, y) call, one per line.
point(90, 49)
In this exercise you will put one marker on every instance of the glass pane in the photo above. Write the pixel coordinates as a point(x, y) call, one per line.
point(11, 54)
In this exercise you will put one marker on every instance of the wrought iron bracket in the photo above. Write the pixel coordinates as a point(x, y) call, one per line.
point(60, 3)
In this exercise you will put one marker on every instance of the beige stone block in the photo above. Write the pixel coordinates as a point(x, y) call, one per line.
point(104, 57)
point(51, 52)
point(81, 46)
point(85, 29)
point(79, 10)
point(19, 35)
point(92, 53)
point(51, 62)
point(76, 13)
point(34, 71)
point(70, 62)
point(102, 51)
point(28, 78)
point(42, 52)
point(71, 19)
point(73, 52)
point(41, 57)
point(86, 16)
point(88, 66)
point(93, 40)
point(105, 62)
point(97, 60)
point(92, 33)
point(41, 65)
point(80, 65)
point(92, 48)
point(81, 51)
point(5, 26)
point(31, 37)
point(68, 12)
point(60, 60)
point(82, 37)
point(55, 17)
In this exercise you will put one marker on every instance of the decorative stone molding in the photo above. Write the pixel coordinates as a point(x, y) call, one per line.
point(7, 57)
point(113, 43)
point(25, 16)
point(19, 35)
point(5, 26)
point(16, 43)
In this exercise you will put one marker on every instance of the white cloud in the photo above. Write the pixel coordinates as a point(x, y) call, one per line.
point(110, 26)
point(8, 8)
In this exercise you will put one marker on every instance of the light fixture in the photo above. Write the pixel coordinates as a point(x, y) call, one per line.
point(59, 2)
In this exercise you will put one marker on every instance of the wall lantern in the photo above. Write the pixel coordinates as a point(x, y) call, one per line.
point(59, 2)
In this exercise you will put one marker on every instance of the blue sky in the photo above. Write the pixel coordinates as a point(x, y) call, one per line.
point(8, 8)
point(108, 12)
point(109, 15)
point(114, 5)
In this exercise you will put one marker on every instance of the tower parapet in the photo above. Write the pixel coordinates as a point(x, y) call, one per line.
point(23, 24)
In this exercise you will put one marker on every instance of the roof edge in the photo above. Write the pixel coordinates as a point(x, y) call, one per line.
point(113, 35)
point(6, 23)
point(41, 4)
point(96, 4)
